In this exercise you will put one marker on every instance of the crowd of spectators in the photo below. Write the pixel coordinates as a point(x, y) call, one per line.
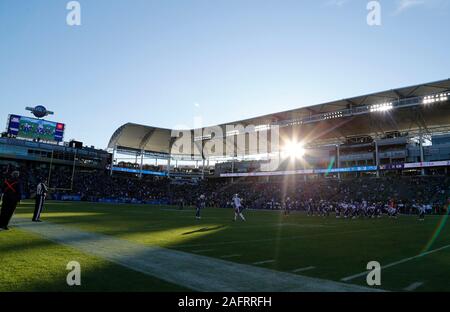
point(100, 186)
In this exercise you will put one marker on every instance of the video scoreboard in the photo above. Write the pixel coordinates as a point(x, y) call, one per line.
point(32, 128)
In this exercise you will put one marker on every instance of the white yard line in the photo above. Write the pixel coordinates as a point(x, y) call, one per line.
point(413, 286)
point(303, 269)
point(263, 262)
point(188, 270)
point(349, 278)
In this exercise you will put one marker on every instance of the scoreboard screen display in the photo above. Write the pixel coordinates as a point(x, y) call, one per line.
point(32, 128)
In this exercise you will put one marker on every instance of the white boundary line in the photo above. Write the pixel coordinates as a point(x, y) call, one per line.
point(348, 278)
point(303, 269)
point(263, 262)
point(413, 286)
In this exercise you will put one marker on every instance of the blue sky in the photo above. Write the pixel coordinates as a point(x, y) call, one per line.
point(163, 62)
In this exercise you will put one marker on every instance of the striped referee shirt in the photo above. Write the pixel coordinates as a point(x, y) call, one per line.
point(41, 189)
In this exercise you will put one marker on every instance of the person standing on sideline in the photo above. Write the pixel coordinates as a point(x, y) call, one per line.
point(41, 194)
point(201, 204)
point(12, 195)
point(287, 206)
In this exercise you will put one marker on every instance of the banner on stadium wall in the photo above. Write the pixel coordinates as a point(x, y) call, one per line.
point(267, 173)
point(301, 171)
point(137, 171)
point(392, 166)
point(428, 164)
point(351, 169)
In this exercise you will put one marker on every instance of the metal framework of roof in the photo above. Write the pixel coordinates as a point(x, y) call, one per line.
point(322, 124)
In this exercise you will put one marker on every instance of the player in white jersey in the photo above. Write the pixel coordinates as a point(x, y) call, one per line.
point(392, 211)
point(364, 209)
point(354, 210)
point(345, 209)
point(371, 210)
point(237, 207)
point(422, 210)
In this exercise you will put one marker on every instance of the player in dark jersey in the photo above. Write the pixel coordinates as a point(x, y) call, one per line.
point(12, 195)
point(309, 208)
point(287, 206)
point(201, 203)
point(337, 210)
point(378, 210)
point(347, 210)
point(181, 203)
point(326, 209)
point(371, 210)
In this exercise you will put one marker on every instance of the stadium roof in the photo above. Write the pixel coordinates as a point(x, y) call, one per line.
point(313, 123)
point(139, 137)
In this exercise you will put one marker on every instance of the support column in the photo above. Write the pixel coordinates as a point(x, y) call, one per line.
point(203, 169)
point(338, 159)
point(279, 158)
point(168, 167)
point(142, 164)
point(377, 159)
point(232, 169)
point(422, 158)
point(112, 160)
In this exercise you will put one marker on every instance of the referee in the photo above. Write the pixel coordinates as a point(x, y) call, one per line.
point(41, 193)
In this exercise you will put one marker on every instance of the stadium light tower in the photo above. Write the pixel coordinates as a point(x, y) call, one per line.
point(294, 149)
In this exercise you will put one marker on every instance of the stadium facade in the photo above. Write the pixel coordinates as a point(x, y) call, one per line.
point(14, 150)
point(406, 129)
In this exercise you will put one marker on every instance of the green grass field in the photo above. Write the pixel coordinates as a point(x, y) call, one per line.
point(329, 248)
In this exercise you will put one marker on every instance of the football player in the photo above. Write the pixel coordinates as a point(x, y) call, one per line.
point(237, 207)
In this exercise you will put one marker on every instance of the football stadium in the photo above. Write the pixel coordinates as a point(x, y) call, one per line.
point(348, 182)
point(347, 195)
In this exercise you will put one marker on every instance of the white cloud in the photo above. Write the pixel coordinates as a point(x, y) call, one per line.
point(337, 3)
point(403, 5)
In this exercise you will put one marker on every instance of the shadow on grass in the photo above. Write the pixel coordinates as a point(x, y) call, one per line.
point(206, 229)
point(31, 263)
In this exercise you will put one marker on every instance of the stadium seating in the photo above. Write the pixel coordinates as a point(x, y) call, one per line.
point(99, 185)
